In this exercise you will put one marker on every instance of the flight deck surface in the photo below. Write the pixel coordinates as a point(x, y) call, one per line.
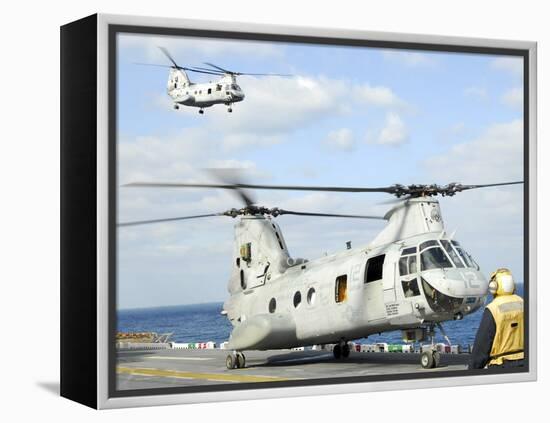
point(147, 369)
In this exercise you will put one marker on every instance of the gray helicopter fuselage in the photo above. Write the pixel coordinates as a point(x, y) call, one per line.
point(412, 274)
point(184, 92)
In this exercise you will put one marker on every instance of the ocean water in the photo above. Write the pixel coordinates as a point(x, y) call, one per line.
point(203, 323)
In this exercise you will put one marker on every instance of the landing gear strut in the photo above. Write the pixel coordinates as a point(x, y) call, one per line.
point(430, 359)
point(235, 360)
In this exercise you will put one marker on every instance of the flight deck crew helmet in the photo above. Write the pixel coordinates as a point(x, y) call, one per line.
point(501, 282)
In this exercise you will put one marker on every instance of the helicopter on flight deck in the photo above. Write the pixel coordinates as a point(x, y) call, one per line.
point(413, 276)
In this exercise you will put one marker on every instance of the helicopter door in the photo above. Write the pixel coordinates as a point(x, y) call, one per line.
point(374, 288)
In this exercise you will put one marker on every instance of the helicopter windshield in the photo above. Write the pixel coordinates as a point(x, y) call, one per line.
point(235, 87)
point(434, 258)
point(468, 260)
point(451, 252)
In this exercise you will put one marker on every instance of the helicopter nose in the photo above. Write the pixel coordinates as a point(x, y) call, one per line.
point(458, 282)
point(237, 95)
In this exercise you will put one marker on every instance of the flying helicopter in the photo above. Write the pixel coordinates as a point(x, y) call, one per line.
point(183, 92)
point(412, 276)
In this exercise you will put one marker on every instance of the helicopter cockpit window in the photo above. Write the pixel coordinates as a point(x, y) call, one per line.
point(410, 250)
point(452, 254)
point(407, 264)
point(403, 267)
point(427, 244)
point(410, 288)
point(434, 258)
point(465, 256)
point(374, 268)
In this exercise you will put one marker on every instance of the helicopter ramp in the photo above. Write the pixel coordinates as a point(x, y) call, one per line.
point(169, 368)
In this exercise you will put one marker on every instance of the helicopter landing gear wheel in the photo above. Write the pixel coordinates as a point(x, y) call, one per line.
point(176, 107)
point(427, 360)
point(345, 351)
point(241, 361)
point(230, 361)
point(230, 110)
point(430, 359)
point(337, 351)
point(201, 112)
point(235, 360)
point(437, 359)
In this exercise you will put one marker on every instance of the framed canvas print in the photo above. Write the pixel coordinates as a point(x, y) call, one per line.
point(254, 211)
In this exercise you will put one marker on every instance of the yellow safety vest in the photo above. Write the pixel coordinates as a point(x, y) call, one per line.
point(507, 310)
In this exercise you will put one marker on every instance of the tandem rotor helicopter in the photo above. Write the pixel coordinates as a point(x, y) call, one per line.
point(183, 92)
point(413, 276)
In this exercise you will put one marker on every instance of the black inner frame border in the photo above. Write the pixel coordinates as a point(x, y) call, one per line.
point(115, 29)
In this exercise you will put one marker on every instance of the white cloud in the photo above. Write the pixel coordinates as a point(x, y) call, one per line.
point(341, 139)
point(479, 93)
point(243, 140)
point(513, 65)
point(513, 97)
point(408, 58)
point(394, 132)
point(495, 152)
point(377, 96)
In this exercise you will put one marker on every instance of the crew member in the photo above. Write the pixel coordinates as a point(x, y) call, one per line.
point(499, 339)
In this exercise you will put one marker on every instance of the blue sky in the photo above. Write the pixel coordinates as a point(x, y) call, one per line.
point(346, 116)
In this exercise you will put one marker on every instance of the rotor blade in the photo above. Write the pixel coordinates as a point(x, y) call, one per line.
point(232, 176)
point(209, 70)
point(197, 70)
point(167, 54)
point(262, 74)
point(218, 67)
point(240, 73)
point(465, 187)
point(153, 64)
point(178, 67)
point(281, 212)
point(390, 190)
point(171, 219)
